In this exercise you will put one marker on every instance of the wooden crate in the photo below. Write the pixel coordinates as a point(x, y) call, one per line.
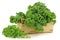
point(47, 29)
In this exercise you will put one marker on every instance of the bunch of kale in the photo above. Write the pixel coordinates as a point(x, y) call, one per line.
point(36, 16)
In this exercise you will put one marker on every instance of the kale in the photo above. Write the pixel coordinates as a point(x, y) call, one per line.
point(37, 16)
point(13, 32)
point(17, 18)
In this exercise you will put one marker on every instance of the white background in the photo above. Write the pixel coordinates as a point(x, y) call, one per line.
point(10, 7)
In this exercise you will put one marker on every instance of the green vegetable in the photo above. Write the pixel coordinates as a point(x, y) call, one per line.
point(17, 18)
point(12, 19)
point(13, 32)
point(37, 16)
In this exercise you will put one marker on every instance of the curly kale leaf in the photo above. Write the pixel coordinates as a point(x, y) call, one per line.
point(13, 32)
point(17, 18)
point(39, 14)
